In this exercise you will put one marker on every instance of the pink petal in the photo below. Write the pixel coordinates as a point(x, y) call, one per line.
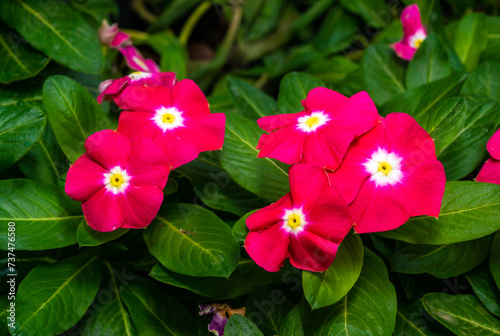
point(151, 66)
point(326, 147)
point(307, 183)
point(189, 99)
point(490, 172)
point(410, 18)
point(111, 87)
point(148, 165)
point(271, 214)
point(137, 125)
point(102, 211)
point(378, 209)
point(423, 188)
point(140, 205)
point(408, 139)
point(372, 140)
point(134, 58)
point(178, 145)
point(165, 79)
point(323, 99)
point(108, 148)
point(268, 248)
point(270, 123)
point(145, 99)
point(493, 145)
point(208, 131)
point(403, 50)
point(84, 178)
point(119, 39)
point(284, 144)
point(311, 252)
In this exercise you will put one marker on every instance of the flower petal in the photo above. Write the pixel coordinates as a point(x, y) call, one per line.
point(404, 51)
point(323, 99)
point(102, 211)
point(188, 98)
point(311, 252)
point(84, 178)
point(490, 172)
point(372, 140)
point(358, 114)
point(108, 148)
point(148, 165)
point(307, 183)
point(326, 147)
point(271, 214)
point(268, 248)
point(284, 144)
point(144, 98)
point(111, 87)
point(270, 123)
point(140, 205)
point(410, 18)
point(137, 125)
point(493, 145)
point(208, 131)
point(178, 145)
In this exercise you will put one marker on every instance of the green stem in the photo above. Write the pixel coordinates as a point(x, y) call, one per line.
point(191, 22)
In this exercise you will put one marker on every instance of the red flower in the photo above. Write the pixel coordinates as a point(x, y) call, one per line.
point(491, 170)
point(119, 183)
point(414, 33)
point(390, 174)
point(177, 119)
point(306, 224)
point(321, 134)
point(113, 88)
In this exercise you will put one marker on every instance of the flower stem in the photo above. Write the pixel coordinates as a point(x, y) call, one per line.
point(191, 22)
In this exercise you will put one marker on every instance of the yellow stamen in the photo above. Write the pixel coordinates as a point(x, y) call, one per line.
point(116, 180)
point(294, 221)
point(168, 118)
point(136, 73)
point(312, 121)
point(418, 42)
point(384, 167)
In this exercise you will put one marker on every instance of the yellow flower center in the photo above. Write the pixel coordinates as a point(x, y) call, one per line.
point(139, 61)
point(168, 118)
point(418, 42)
point(294, 221)
point(384, 167)
point(136, 74)
point(116, 180)
point(311, 121)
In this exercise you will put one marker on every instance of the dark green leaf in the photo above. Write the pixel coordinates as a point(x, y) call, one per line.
point(175, 9)
point(65, 289)
point(58, 30)
point(383, 73)
point(492, 51)
point(483, 83)
point(374, 12)
point(73, 114)
point(411, 321)
point(322, 289)
point(98, 9)
point(495, 259)
point(20, 93)
point(462, 314)
point(293, 324)
point(294, 88)
point(87, 236)
point(470, 210)
point(44, 218)
point(238, 325)
point(337, 31)
point(173, 54)
point(240, 230)
point(250, 101)
point(485, 288)
point(20, 129)
point(470, 39)
point(266, 20)
point(193, 241)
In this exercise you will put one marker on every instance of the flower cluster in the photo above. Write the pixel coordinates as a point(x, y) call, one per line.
point(490, 172)
point(352, 168)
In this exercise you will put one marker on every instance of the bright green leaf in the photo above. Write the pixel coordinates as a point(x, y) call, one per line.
point(294, 88)
point(483, 83)
point(250, 101)
point(470, 39)
point(87, 236)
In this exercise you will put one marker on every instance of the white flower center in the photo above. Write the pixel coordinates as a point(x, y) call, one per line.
point(312, 122)
point(384, 168)
point(416, 39)
point(135, 76)
point(294, 220)
point(168, 118)
point(116, 180)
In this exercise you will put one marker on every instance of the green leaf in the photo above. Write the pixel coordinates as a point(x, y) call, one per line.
point(20, 129)
point(86, 236)
point(250, 101)
point(151, 316)
point(193, 241)
point(383, 73)
point(483, 83)
point(175, 10)
point(20, 61)
point(294, 88)
point(58, 30)
point(462, 314)
point(46, 161)
point(98, 9)
point(293, 323)
point(173, 54)
point(322, 289)
point(485, 288)
point(5, 315)
point(267, 308)
point(238, 325)
point(411, 321)
point(368, 309)
point(441, 261)
point(430, 63)
point(495, 259)
point(44, 218)
point(462, 201)
point(65, 289)
point(333, 71)
point(73, 114)
point(470, 39)
point(492, 50)
point(374, 12)
point(337, 31)
point(265, 21)
point(264, 177)
point(108, 315)
point(240, 230)
point(420, 100)
point(20, 93)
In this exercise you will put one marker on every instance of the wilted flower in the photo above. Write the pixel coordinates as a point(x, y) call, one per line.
point(491, 170)
point(414, 33)
point(220, 313)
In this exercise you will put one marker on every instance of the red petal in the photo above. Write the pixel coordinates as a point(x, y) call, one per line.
point(268, 248)
point(108, 148)
point(189, 99)
point(84, 178)
point(358, 114)
point(111, 87)
point(140, 205)
point(410, 18)
point(311, 252)
point(145, 99)
point(326, 147)
point(285, 145)
point(372, 140)
point(323, 99)
point(271, 214)
point(148, 165)
point(490, 172)
point(102, 211)
point(137, 125)
point(270, 123)
point(208, 131)
point(178, 145)
point(493, 145)
point(307, 182)
point(403, 50)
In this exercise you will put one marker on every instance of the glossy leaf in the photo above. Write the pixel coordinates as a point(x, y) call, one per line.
point(411, 321)
point(462, 314)
point(294, 88)
point(470, 39)
point(462, 201)
point(44, 217)
point(485, 288)
point(240, 230)
point(65, 289)
point(238, 325)
point(483, 83)
point(86, 236)
point(20, 129)
point(73, 114)
point(495, 259)
point(191, 240)
point(264, 177)
point(250, 101)
point(20, 93)
point(293, 323)
point(58, 30)
point(322, 289)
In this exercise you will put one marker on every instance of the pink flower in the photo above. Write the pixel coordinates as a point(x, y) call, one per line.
point(414, 33)
point(321, 134)
point(136, 61)
point(306, 224)
point(119, 183)
point(390, 174)
point(112, 36)
point(491, 170)
point(113, 88)
point(177, 119)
